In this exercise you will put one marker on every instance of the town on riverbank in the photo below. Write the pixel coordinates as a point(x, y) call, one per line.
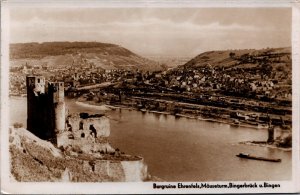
point(239, 87)
point(249, 88)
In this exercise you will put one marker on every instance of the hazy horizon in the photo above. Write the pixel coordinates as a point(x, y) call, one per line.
point(156, 31)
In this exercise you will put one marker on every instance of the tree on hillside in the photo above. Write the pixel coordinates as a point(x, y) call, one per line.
point(232, 55)
point(266, 69)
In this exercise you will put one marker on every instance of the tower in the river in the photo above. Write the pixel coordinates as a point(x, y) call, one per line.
point(45, 107)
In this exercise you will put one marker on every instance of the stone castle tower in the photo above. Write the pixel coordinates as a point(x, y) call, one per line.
point(45, 107)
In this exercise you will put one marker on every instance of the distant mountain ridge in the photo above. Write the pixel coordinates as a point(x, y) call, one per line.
point(104, 55)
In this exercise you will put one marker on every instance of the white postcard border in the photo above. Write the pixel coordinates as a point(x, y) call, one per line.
point(7, 186)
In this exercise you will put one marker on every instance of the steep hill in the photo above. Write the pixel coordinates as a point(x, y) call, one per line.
point(247, 58)
point(36, 160)
point(264, 74)
point(105, 55)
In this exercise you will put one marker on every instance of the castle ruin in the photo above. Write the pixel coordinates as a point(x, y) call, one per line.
point(79, 135)
point(45, 107)
point(47, 119)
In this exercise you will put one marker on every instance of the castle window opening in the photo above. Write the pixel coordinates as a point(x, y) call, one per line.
point(81, 125)
point(93, 129)
point(92, 164)
point(69, 126)
point(83, 135)
point(38, 80)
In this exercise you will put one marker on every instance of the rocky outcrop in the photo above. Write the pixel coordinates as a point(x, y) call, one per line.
point(33, 159)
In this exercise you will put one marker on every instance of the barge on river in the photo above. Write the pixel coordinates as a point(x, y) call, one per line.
point(248, 156)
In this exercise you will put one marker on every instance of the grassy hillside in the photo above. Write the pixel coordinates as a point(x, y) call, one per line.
point(107, 56)
point(247, 58)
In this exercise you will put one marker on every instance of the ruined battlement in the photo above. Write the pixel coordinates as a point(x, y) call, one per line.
point(88, 133)
point(57, 90)
point(45, 107)
point(35, 84)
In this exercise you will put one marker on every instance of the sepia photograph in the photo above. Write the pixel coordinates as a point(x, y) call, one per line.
point(176, 97)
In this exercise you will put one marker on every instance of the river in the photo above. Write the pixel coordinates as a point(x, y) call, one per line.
point(180, 149)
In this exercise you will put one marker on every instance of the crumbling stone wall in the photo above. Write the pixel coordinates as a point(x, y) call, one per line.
point(129, 171)
point(77, 124)
point(87, 135)
point(135, 170)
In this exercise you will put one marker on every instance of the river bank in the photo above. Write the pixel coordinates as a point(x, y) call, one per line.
point(227, 121)
point(106, 107)
point(265, 144)
point(95, 106)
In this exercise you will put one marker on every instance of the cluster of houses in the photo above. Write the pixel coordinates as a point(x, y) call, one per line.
point(252, 82)
point(206, 79)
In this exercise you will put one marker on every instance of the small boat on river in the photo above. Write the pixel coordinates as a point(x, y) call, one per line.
point(143, 110)
point(248, 156)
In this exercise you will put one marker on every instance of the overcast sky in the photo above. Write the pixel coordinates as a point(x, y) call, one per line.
point(151, 31)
